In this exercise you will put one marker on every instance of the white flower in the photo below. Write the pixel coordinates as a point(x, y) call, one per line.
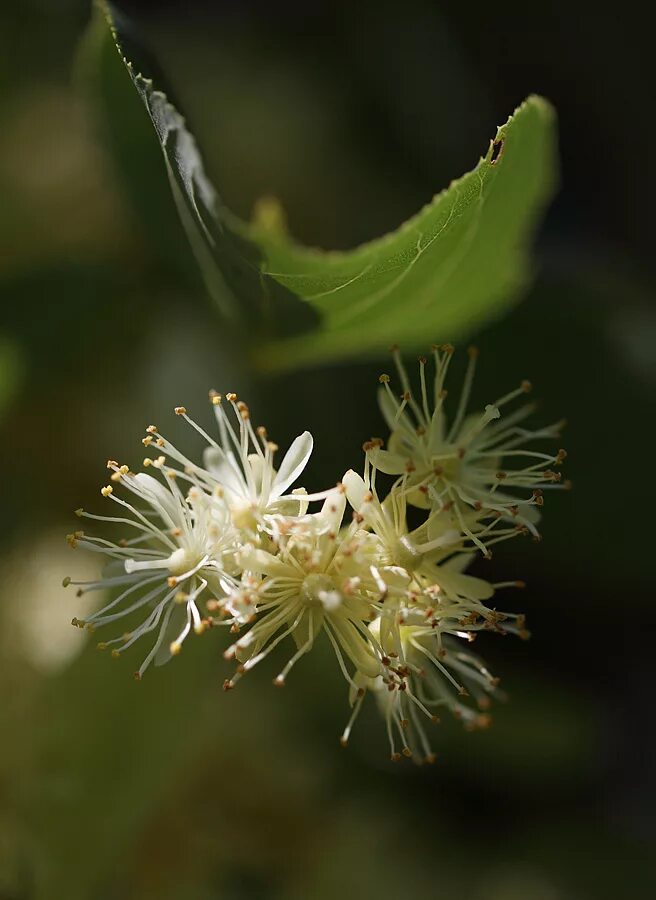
point(465, 462)
point(433, 601)
point(233, 537)
point(187, 541)
point(316, 580)
point(431, 672)
point(433, 552)
point(242, 463)
point(425, 669)
point(184, 548)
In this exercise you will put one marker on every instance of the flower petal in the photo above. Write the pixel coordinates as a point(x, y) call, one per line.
point(293, 463)
point(223, 467)
point(463, 585)
point(356, 489)
point(389, 463)
point(253, 559)
point(332, 511)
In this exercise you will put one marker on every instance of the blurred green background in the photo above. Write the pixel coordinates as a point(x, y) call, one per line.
point(353, 115)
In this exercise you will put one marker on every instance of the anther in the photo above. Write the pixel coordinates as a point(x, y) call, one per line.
point(180, 411)
point(107, 490)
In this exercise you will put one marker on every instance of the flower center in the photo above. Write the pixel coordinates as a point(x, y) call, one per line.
point(450, 468)
point(243, 515)
point(405, 555)
point(320, 590)
point(181, 561)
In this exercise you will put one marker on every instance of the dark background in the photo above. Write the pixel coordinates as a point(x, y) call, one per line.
point(353, 115)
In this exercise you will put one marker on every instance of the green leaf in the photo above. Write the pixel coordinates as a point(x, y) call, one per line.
point(458, 262)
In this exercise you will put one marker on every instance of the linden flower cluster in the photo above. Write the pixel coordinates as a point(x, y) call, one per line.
point(231, 543)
